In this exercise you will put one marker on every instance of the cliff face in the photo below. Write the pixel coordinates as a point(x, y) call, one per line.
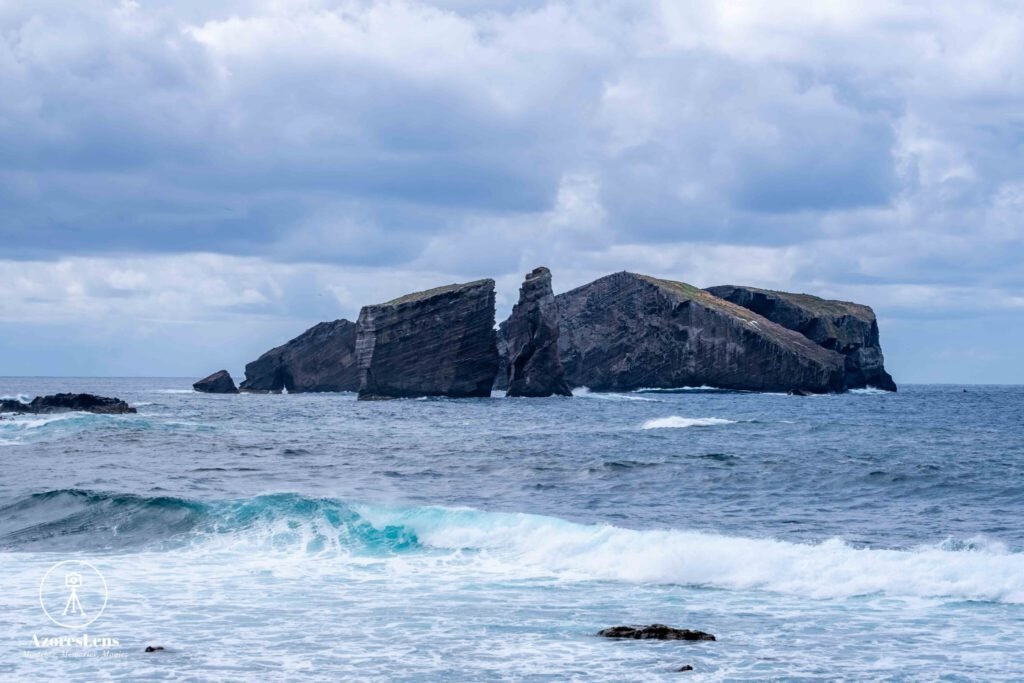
point(530, 341)
point(627, 331)
point(440, 342)
point(847, 328)
point(320, 359)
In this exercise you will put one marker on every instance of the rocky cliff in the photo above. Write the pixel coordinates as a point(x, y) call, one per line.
point(320, 359)
point(530, 341)
point(440, 342)
point(847, 328)
point(627, 331)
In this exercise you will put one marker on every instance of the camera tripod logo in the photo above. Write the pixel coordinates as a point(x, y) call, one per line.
point(73, 594)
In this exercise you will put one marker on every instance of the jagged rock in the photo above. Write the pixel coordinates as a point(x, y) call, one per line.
point(530, 340)
point(320, 359)
point(685, 667)
point(62, 403)
point(627, 331)
point(654, 632)
point(848, 328)
point(219, 382)
point(440, 342)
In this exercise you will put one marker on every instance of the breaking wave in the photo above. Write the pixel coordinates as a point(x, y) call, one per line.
point(677, 422)
point(515, 545)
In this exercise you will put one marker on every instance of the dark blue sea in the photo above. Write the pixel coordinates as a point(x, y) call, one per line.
point(865, 536)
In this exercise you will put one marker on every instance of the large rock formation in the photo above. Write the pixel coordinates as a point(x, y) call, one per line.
point(848, 328)
point(440, 342)
point(320, 359)
point(62, 403)
point(219, 382)
point(530, 341)
point(627, 331)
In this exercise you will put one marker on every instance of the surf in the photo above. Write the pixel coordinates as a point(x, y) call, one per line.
point(510, 546)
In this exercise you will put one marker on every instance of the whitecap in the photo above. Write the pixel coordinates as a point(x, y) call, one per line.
point(678, 422)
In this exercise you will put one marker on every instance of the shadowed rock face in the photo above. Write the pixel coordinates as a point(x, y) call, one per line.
point(440, 342)
point(61, 403)
point(219, 382)
point(320, 359)
point(530, 341)
point(847, 328)
point(627, 331)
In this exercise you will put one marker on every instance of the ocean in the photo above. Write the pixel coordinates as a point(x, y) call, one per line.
point(864, 536)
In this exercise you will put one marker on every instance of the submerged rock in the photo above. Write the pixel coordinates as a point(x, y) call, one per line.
point(320, 359)
point(219, 382)
point(627, 331)
point(847, 328)
point(654, 632)
point(154, 648)
point(530, 341)
point(440, 342)
point(62, 403)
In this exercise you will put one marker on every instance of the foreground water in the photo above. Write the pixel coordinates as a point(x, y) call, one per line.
point(866, 536)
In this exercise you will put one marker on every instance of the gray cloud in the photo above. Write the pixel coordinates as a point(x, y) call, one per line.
point(855, 150)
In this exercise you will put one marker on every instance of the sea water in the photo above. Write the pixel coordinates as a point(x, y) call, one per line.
point(865, 536)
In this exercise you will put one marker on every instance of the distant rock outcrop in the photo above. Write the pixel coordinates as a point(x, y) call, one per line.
point(320, 359)
point(219, 382)
point(654, 632)
point(847, 328)
point(440, 342)
point(62, 403)
point(530, 340)
point(627, 331)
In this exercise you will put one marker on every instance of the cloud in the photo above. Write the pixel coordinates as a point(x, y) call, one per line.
point(268, 152)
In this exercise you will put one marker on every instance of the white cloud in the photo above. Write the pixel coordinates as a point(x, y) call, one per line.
point(254, 160)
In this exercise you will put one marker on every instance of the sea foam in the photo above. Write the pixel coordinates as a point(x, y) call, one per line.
point(677, 422)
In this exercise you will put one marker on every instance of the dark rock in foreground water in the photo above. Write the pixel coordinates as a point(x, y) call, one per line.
point(654, 632)
point(323, 358)
point(685, 667)
point(627, 331)
point(219, 382)
point(847, 328)
point(530, 337)
point(440, 342)
point(62, 403)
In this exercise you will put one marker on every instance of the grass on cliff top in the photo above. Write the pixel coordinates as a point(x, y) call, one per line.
point(436, 291)
point(706, 298)
point(817, 306)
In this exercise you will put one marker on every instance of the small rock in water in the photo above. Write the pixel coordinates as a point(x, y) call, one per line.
point(154, 648)
point(654, 632)
point(219, 382)
point(59, 403)
point(685, 667)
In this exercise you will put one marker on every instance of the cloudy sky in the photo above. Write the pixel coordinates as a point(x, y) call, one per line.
point(184, 183)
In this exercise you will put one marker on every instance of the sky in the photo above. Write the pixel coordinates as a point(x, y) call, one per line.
point(185, 184)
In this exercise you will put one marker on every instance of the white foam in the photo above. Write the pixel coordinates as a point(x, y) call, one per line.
point(527, 543)
point(35, 421)
point(672, 390)
point(870, 391)
point(677, 422)
point(584, 392)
